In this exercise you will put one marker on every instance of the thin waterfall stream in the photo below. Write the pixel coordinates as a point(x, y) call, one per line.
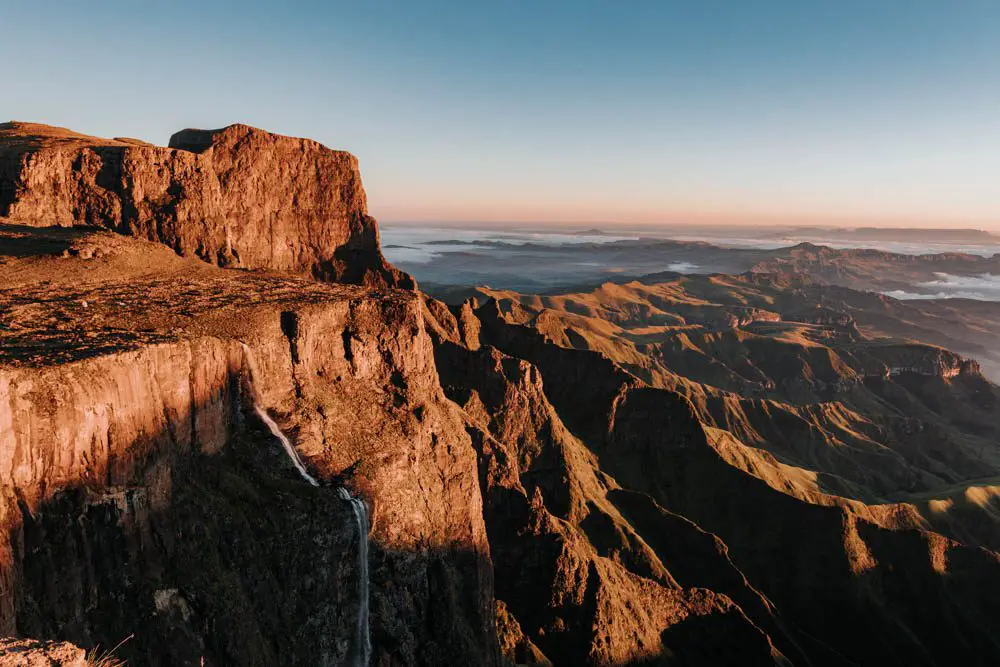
point(361, 646)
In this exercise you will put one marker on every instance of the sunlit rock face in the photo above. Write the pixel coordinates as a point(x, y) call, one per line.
point(235, 197)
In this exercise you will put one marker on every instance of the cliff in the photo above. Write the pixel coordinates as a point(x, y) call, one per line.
point(234, 197)
point(582, 584)
point(140, 494)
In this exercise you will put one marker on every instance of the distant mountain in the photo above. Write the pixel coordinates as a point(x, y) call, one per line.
point(554, 267)
point(910, 234)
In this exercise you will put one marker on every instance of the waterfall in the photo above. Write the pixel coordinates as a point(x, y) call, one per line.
point(362, 641)
point(362, 646)
point(272, 426)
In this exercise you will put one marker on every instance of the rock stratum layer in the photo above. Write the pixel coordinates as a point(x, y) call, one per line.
point(699, 471)
point(235, 197)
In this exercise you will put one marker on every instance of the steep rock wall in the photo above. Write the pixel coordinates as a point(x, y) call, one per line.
point(237, 197)
point(138, 492)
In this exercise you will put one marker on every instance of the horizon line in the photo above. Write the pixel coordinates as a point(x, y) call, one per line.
point(585, 225)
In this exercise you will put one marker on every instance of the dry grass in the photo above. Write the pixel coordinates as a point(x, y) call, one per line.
point(98, 658)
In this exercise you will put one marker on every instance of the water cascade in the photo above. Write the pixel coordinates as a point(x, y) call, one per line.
point(362, 647)
point(362, 643)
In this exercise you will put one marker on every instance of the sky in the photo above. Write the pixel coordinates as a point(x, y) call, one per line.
point(550, 111)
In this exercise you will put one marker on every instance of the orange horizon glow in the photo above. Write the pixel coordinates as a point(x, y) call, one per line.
point(563, 217)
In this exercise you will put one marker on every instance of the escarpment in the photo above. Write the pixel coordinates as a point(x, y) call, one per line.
point(235, 197)
point(142, 496)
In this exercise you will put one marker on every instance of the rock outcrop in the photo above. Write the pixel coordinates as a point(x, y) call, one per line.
point(235, 197)
point(576, 582)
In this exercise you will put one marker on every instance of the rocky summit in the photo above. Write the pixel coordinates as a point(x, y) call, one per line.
point(231, 433)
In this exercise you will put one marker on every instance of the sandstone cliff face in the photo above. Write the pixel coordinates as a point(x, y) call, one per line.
point(235, 197)
point(569, 479)
point(141, 495)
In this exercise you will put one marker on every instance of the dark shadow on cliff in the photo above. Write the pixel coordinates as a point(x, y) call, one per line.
point(230, 559)
point(24, 241)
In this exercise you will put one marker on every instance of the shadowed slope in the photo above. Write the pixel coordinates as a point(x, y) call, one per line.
point(862, 585)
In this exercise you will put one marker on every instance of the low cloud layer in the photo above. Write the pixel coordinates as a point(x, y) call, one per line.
point(985, 287)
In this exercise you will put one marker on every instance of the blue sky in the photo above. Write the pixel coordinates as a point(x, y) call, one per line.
point(800, 111)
